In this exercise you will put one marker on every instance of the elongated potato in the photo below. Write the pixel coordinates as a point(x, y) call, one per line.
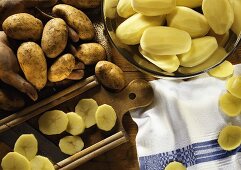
point(188, 20)
point(219, 14)
point(110, 75)
point(23, 26)
point(160, 40)
point(124, 8)
point(236, 27)
point(55, 37)
point(76, 19)
point(83, 3)
point(33, 63)
point(61, 68)
point(91, 53)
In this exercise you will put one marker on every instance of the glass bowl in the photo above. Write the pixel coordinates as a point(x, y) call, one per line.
point(132, 54)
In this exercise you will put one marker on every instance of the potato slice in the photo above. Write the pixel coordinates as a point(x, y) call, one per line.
point(230, 137)
point(230, 104)
point(53, 122)
point(220, 15)
point(27, 145)
point(175, 166)
point(224, 70)
point(71, 144)
point(215, 58)
point(196, 56)
point(76, 124)
point(15, 161)
point(161, 40)
point(234, 86)
point(86, 108)
point(167, 63)
point(105, 117)
point(41, 163)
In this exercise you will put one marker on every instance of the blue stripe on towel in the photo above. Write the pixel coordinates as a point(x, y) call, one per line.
point(189, 155)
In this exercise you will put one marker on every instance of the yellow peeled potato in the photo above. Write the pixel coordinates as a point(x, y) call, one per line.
point(71, 144)
point(161, 40)
point(201, 50)
point(130, 31)
point(215, 58)
point(189, 3)
point(220, 15)
point(175, 166)
point(236, 5)
point(110, 8)
point(188, 20)
point(234, 86)
point(124, 8)
point(41, 163)
point(223, 70)
point(153, 7)
point(230, 105)
point(76, 124)
point(167, 63)
point(230, 137)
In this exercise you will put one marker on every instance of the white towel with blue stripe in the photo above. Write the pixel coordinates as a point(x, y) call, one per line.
point(183, 124)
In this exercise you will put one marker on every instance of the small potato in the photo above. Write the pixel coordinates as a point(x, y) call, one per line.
point(90, 53)
point(76, 19)
point(55, 37)
point(83, 3)
point(110, 75)
point(61, 68)
point(33, 63)
point(23, 26)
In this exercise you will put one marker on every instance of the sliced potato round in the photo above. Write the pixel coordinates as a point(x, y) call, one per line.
point(76, 124)
point(41, 163)
point(71, 145)
point(234, 86)
point(230, 105)
point(15, 161)
point(27, 145)
point(53, 122)
point(105, 117)
point(86, 108)
point(224, 70)
point(175, 166)
point(230, 137)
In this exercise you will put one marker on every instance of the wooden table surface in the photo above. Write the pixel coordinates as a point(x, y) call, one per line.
point(124, 157)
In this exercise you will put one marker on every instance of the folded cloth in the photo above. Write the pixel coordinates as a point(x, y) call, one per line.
point(183, 124)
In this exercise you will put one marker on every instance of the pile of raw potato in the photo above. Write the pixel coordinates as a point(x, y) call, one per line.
point(87, 114)
point(51, 52)
point(174, 33)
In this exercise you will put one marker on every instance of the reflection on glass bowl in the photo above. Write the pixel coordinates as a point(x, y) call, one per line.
point(133, 55)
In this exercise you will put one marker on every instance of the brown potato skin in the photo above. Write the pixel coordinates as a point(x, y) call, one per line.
point(110, 75)
point(33, 64)
point(83, 4)
point(61, 68)
point(76, 19)
point(23, 26)
point(90, 53)
point(55, 37)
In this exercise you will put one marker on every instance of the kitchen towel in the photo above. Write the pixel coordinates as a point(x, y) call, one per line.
point(183, 124)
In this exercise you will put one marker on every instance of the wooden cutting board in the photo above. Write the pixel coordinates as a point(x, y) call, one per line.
point(137, 94)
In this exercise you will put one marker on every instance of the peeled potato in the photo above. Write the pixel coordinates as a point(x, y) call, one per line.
point(167, 63)
point(230, 137)
point(76, 124)
point(105, 117)
point(26, 145)
point(53, 122)
point(161, 40)
point(86, 108)
point(15, 161)
point(71, 145)
point(234, 86)
point(223, 70)
point(41, 163)
point(230, 104)
point(175, 166)
point(236, 27)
